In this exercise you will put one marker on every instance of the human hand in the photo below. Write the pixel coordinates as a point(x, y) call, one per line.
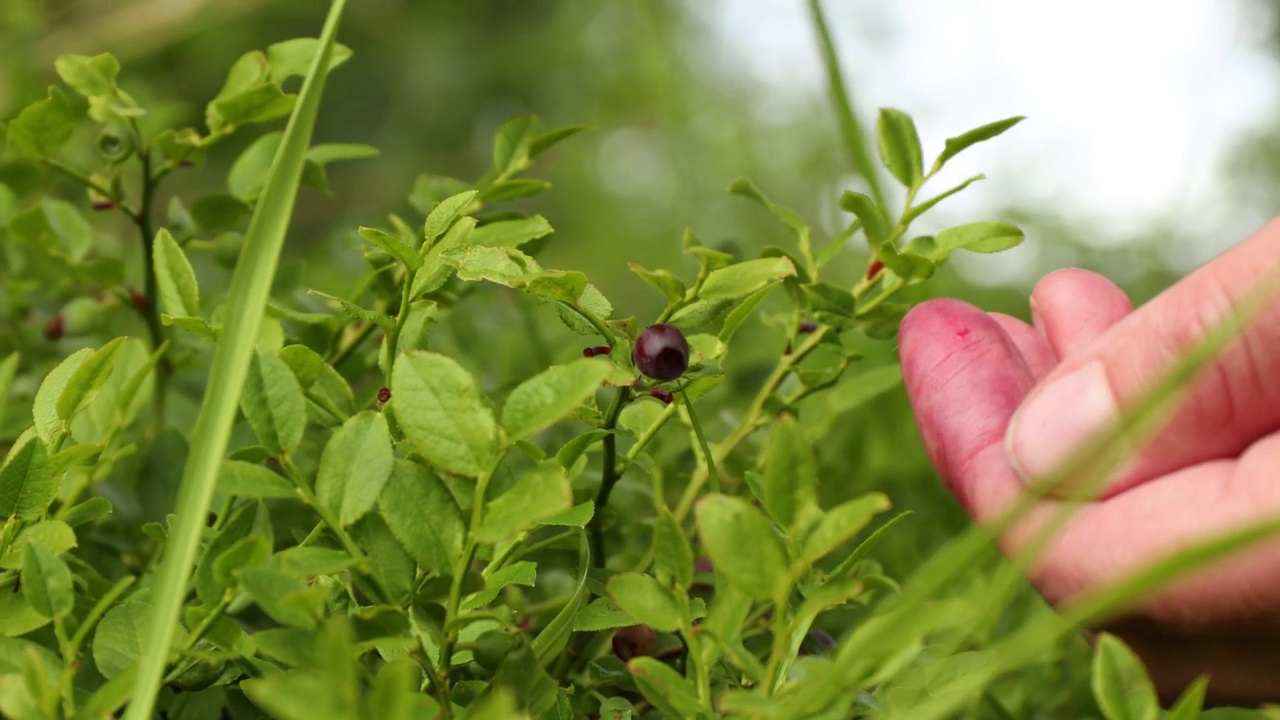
point(1000, 402)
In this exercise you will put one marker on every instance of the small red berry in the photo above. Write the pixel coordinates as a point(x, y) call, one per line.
point(139, 301)
point(874, 269)
point(104, 205)
point(54, 329)
point(384, 395)
point(634, 641)
point(185, 163)
point(662, 395)
point(597, 350)
point(662, 352)
point(807, 327)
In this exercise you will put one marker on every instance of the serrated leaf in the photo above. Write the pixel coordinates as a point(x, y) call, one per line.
point(179, 294)
point(355, 312)
point(601, 614)
point(89, 75)
point(444, 214)
point(839, 525)
point(647, 602)
point(512, 144)
point(874, 225)
point(983, 237)
point(540, 493)
point(88, 377)
point(422, 514)
point(117, 641)
point(272, 402)
point(355, 466)
point(27, 486)
point(979, 134)
point(511, 233)
point(790, 478)
point(661, 685)
point(521, 572)
point(46, 581)
point(443, 413)
point(392, 246)
point(44, 126)
point(245, 479)
point(44, 409)
point(672, 554)
point(900, 146)
point(741, 279)
point(1120, 682)
point(664, 281)
point(551, 395)
point(742, 545)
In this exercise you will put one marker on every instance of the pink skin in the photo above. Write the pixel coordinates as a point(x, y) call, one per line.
point(1211, 469)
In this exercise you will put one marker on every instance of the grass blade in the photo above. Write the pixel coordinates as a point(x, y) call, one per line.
point(247, 300)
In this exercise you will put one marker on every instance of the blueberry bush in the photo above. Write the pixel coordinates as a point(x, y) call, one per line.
point(219, 500)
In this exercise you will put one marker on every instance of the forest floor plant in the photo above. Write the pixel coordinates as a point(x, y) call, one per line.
point(362, 530)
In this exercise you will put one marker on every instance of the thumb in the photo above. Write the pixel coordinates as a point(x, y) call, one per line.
point(1232, 404)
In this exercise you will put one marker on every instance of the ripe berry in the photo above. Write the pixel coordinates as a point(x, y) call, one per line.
point(597, 350)
point(139, 301)
point(874, 268)
point(817, 642)
point(662, 352)
point(634, 641)
point(662, 395)
point(807, 327)
point(101, 205)
point(384, 395)
point(54, 329)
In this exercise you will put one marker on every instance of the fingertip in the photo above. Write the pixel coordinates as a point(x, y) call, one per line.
point(1031, 344)
point(1074, 306)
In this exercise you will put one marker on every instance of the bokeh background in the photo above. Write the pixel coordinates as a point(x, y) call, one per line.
point(1151, 142)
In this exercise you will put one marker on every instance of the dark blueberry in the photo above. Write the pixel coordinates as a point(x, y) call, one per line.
point(634, 641)
point(662, 395)
point(54, 329)
point(384, 395)
point(874, 268)
point(662, 352)
point(597, 350)
point(817, 642)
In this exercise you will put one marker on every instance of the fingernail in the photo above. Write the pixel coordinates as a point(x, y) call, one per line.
point(1057, 418)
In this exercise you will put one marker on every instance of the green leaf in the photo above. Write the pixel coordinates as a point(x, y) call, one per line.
point(514, 190)
point(245, 479)
point(927, 205)
point(1120, 682)
point(742, 545)
point(670, 692)
point(555, 636)
point(790, 478)
point(89, 75)
point(292, 58)
point(647, 602)
point(86, 512)
point(246, 305)
point(45, 407)
point(983, 237)
point(577, 516)
point(672, 554)
point(900, 146)
point(601, 614)
point(958, 143)
point(45, 125)
point(855, 390)
point(906, 265)
point(1190, 703)
point(443, 413)
point(27, 486)
point(551, 395)
point(444, 214)
point(839, 525)
point(88, 377)
point(8, 370)
point(326, 153)
point(544, 141)
point(318, 379)
point(830, 304)
point(511, 233)
point(664, 281)
point(392, 246)
point(218, 212)
point(540, 493)
point(55, 225)
point(248, 173)
point(179, 294)
point(741, 279)
point(505, 266)
point(355, 312)
point(521, 572)
point(285, 597)
point(422, 514)
point(245, 520)
point(46, 581)
point(117, 642)
point(246, 552)
point(355, 466)
point(272, 402)
point(259, 103)
point(874, 225)
point(512, 144)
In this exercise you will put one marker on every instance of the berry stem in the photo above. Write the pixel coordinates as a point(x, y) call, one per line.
point(712, 475)
point(609, 473)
